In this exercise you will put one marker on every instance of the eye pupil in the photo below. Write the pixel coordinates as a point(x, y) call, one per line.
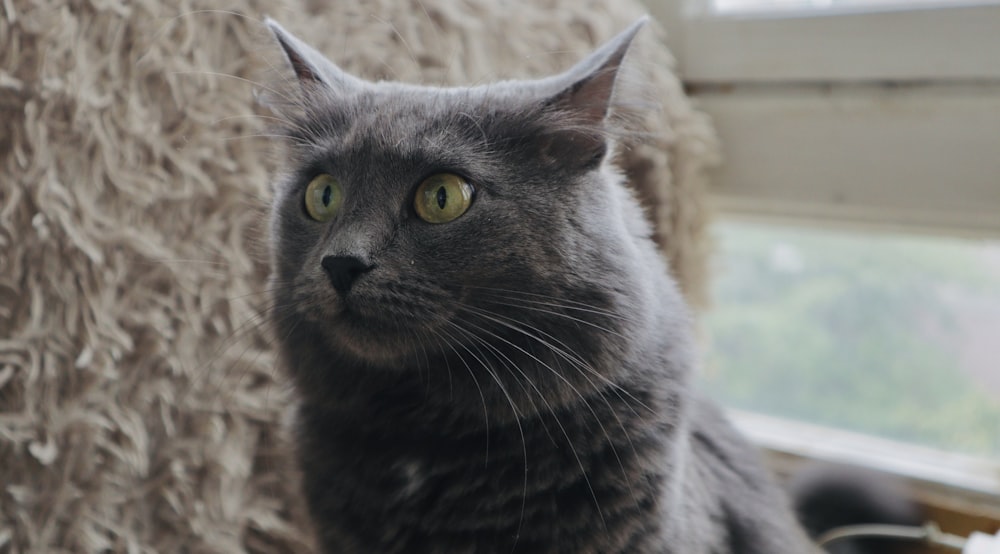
point(323, 197)
point(442, 197)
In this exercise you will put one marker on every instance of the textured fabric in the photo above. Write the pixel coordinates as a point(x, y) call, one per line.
point(140, 407)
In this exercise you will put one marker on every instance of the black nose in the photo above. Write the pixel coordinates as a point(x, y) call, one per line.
point(343, 270)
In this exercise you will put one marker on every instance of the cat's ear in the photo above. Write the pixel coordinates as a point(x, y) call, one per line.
point(589, 86)
point(314, 71)
point(580, 101)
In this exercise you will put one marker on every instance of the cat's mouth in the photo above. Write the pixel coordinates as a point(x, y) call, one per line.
point(351, 316)
point(374, 340)
point(379, 322)
point(377, 333)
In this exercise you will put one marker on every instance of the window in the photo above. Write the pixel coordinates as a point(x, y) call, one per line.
point(859, 229)
point(892, 335)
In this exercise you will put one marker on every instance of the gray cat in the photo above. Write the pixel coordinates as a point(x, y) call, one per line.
point(489, 352)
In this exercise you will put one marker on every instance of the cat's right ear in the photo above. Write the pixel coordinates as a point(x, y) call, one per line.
point(313, 70)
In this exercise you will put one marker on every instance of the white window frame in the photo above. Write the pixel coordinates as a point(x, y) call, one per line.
point(887, 119)
point(939, 478)
point(916, 43)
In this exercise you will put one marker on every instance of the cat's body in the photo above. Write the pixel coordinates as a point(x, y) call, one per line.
point(513, 379)
point(446, 485)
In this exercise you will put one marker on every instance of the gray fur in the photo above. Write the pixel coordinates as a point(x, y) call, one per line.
point(515, 380)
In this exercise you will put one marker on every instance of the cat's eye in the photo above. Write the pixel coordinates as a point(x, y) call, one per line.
point(324, 196)
point(442, 198)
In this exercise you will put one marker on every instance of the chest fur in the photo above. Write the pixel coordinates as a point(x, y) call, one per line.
point(552, 484)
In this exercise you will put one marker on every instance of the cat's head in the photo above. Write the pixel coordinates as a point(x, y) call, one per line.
point(484, 222)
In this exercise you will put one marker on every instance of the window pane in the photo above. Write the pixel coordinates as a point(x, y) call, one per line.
point(897, 336)
point(771, 5)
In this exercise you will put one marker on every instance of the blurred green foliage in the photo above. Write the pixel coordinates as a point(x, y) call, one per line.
point(874, 333)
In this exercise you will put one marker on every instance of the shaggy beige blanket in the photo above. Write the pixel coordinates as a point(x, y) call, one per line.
point(139, 402)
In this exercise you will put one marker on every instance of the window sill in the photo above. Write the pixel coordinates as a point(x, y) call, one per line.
point(961, 493)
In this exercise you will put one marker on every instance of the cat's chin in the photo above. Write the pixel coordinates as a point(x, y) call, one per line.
point(374, 342)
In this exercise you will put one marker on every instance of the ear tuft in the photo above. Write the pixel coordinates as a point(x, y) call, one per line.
point(304, 71)
point(578, 102)
point(592, 81)
point(313, 70)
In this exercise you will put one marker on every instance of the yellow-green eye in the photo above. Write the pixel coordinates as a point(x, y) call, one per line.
point(324, 195)
point(442, 198)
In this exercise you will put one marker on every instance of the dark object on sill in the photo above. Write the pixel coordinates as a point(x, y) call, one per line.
point(930, 534)
point(829, 496)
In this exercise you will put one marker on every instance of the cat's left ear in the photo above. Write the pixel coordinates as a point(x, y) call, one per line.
point(580, 100)
point(314, 71)
point(589, 86)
